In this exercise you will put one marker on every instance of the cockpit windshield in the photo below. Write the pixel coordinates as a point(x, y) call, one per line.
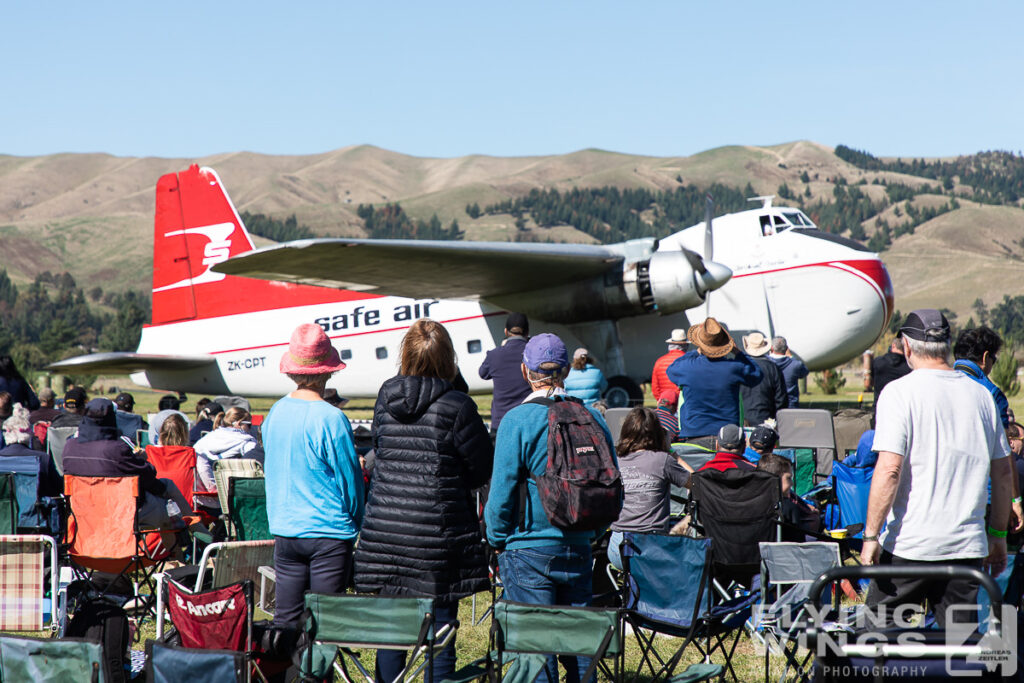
point(798, 219)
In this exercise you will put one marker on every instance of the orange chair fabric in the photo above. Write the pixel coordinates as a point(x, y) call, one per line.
point(101, 529)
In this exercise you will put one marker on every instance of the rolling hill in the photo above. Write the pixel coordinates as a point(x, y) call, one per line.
point(91, 214)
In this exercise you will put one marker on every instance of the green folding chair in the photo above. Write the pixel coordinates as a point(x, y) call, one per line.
point(247, 502)
point(338, 623)
point(8, 504)
point(524, 636)
point(43, 659)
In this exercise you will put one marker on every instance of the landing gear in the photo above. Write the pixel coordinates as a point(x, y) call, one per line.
point(623, 392)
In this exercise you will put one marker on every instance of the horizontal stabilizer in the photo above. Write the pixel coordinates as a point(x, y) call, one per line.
point(125, 362)
point(411, 267)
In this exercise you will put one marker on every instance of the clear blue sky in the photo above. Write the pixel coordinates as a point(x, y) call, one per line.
point(188, 79)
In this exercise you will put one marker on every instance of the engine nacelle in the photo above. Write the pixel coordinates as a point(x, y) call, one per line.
point(666, 283)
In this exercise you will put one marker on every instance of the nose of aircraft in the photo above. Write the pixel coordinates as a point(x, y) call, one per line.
point(716, 275)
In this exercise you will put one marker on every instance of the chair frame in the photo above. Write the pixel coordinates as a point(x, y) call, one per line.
point(57, 606)
point(429, 641)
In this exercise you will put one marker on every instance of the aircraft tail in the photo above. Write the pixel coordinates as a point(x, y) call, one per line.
point(197, 227)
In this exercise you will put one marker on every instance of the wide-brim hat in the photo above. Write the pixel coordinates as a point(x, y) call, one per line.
point(310, 352)
point(756, 344)
point(678, 336)
point(711, 338)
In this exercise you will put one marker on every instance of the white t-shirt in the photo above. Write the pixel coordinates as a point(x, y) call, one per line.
point(945, 426)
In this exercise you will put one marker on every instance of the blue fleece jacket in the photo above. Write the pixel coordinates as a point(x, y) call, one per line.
point(711, 390)
point(972, 370)
point(522, 443)
point(314, 482)
point(587, 384)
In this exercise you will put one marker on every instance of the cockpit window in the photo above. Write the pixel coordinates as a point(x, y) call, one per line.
point(798, 219)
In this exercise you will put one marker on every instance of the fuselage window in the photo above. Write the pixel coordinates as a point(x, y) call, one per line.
point(798, 219)
point(766, 226)
point(346, 354)
point(474, 346)
point(382, 352)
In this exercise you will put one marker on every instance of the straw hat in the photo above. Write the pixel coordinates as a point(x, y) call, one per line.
point(711, 338)
point(756, 344)
point(310, 352)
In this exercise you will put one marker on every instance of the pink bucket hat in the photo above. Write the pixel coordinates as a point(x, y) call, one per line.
point(310, 352)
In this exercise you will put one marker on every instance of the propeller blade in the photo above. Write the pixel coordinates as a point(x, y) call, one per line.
point(709, 238)
point(709, 245)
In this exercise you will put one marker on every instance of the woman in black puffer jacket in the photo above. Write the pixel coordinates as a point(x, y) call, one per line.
point(421, 533)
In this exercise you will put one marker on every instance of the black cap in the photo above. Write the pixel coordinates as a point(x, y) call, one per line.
point(927, 325)
point(731, 437)
point(213, 408)
point(124, 401)
point(764, 438)
point(517, 321)
point(75, 398)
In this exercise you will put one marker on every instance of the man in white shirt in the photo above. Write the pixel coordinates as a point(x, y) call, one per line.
point(938, 439)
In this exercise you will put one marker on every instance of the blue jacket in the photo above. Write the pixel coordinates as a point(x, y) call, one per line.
point(971, 369)
point(522, 443)
point(587, 384)
point(503, 366)
point(711, 390)
point(314, 481)
point(793, 370)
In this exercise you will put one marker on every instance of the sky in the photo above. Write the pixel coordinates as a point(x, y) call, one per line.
point(447, 79)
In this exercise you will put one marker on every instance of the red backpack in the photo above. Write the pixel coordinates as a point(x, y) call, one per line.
point(581, 489)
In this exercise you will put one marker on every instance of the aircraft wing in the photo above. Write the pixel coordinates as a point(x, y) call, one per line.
point(126, 362)
point(448, 269)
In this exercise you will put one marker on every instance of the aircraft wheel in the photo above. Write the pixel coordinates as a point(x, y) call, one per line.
point(623, 392)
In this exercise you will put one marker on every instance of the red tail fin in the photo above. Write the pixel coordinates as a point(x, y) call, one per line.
point(196, 228)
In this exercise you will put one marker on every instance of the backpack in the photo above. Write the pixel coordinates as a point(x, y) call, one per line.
point(581, 489)
point(106, 624)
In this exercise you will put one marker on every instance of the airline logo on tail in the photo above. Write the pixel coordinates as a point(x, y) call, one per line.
point(217, 250)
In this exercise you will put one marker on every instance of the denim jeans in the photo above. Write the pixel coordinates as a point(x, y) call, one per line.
point(550, 575)
point(390, 662)
point(321, 565)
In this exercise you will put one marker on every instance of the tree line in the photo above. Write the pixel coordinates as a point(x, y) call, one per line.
point(390, 221)
point(51, 319)
point(994, 177)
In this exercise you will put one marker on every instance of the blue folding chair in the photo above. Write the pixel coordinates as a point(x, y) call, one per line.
point(666, 590)
point(852, 486)
point(35, 514)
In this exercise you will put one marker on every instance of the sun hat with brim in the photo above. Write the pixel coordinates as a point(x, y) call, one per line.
point(756, 344)
point(310, 352)
point(678, 336)
point(711, 338)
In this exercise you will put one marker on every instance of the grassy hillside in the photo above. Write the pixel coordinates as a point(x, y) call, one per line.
point(91, 214)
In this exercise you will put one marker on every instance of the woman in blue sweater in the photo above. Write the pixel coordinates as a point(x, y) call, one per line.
point(314, 482)
point(585, 380)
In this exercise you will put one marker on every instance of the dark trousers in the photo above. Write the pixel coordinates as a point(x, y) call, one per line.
point(890, 593)
point(390, 662)
point(321, 565)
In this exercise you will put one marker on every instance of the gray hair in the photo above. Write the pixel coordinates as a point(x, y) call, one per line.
point(779, 345)
point(934, 350)
point(16, 427)
point(555, 376)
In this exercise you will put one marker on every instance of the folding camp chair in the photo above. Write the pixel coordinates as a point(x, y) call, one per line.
point(809, 428)
point(931, 654)
point(737, 509)
point(43, 659)
point(35, 514)
point(217, 619)
point(222, 564)
point(170, 664)
point(24, 605)
point(526, 636)
point(666, 591)
point(247, 502)
point(177, 463)
point(777, 618)
point(8, 504)
point(56, 438)
point(104, 536)
point(850, 487)
point(227, 469)
point(338, 623)
point(614, 417)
